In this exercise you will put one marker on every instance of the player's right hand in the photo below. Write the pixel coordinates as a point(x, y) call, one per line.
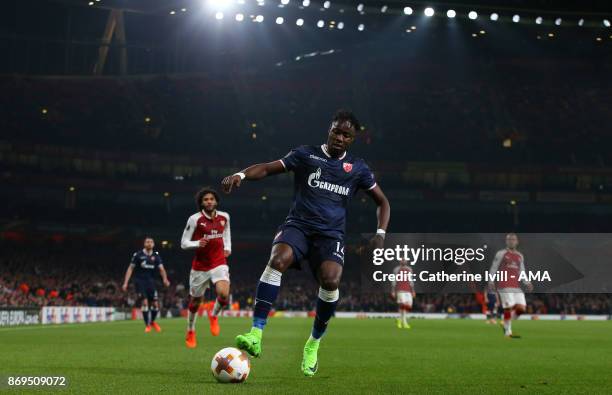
point(202, 242)
point(231, 181)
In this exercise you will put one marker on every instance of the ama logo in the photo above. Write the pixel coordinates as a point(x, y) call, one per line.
point(314, 181)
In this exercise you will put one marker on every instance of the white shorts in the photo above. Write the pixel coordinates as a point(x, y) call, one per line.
point(200, 280)
point(404, 298)
point(510, 298)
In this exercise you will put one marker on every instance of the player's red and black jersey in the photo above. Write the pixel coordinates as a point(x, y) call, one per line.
point(323, 186)
point(145, 265)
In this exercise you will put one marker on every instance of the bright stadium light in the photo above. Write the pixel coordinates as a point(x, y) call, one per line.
point(219, 5)
point(361, 27)
point(259, 18)
point(300, 22)
point(219, 15)
point(581, 22)
point(321, 23)
point(306, 3)
point(327, 4)
point(284, 2)
point(429, 12)
point(516, 18)
point(606, 22)
point(360, 7)
point(539, 20)
point(407, 11)
point(239, 17)
point(280, 20)
point(340, 25)
point(384, 9)
point(494, 16)
point(451, 13)
point(558, 21)
point(473, 15)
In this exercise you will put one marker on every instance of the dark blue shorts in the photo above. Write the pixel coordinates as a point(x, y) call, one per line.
point(145, 289)
point(310, 246)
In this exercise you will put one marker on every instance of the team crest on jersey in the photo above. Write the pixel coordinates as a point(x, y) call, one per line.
point(347, 167)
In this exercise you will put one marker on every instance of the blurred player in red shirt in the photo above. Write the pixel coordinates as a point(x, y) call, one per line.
point(208, 234)
point(403, 293)
point(511, 263)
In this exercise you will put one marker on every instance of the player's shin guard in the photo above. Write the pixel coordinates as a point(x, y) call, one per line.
point(145, 315)
point(220, 304)
point(267, 291)
point(191, 315)
point(326, 307)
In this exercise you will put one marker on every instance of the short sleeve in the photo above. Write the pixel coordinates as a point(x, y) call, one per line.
point(134, 259)
point(366, 178)
point(158, 260)
point(293, 159)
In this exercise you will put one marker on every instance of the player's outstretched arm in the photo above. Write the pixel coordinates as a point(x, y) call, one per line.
point(252, 173)
point(383, 213)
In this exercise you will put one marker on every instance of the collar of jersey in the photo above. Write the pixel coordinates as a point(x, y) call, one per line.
point(324, 149)
point(206, 215)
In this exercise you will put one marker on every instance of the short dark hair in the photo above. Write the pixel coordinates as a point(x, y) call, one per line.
point(346, 115)
point(203, 192)
point(147, 238)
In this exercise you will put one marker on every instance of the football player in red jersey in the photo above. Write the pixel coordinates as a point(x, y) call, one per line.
point(511, 263)
point(208, 234)
point(402, 292)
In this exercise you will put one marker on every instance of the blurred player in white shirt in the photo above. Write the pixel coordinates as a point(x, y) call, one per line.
point(511, 262)
point(403, 293)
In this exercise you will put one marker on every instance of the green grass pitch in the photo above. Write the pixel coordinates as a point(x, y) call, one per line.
point(356, 356)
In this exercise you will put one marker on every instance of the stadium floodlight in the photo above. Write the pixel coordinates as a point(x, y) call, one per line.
point(516, 18)
point(327, 4)
point(284, 2)
point(494, 16)
point(280, 20)
point(306, 3)
point(361, 27)
point(239, 17)
point(451, 13)
point(429, 12)
point(558, 21)
point(219, 5)
point(360, 7)
point(538, 20)
point(340, 25)
point(219, 15)
point(299, 22)
point(407, 11)
point(606, 22)
point(472, 15)
point(581, 22)
point(384, 9)
point(259, 18)
point(320, 23)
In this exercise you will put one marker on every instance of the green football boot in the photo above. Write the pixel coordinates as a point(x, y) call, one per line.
point(310, 363)
point(250, 342)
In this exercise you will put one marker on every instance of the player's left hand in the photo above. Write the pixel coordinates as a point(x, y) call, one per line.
point(226, 253)
point(166, 283)
point(229, 181)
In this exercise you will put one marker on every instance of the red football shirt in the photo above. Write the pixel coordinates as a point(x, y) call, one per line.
point(217, 230)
